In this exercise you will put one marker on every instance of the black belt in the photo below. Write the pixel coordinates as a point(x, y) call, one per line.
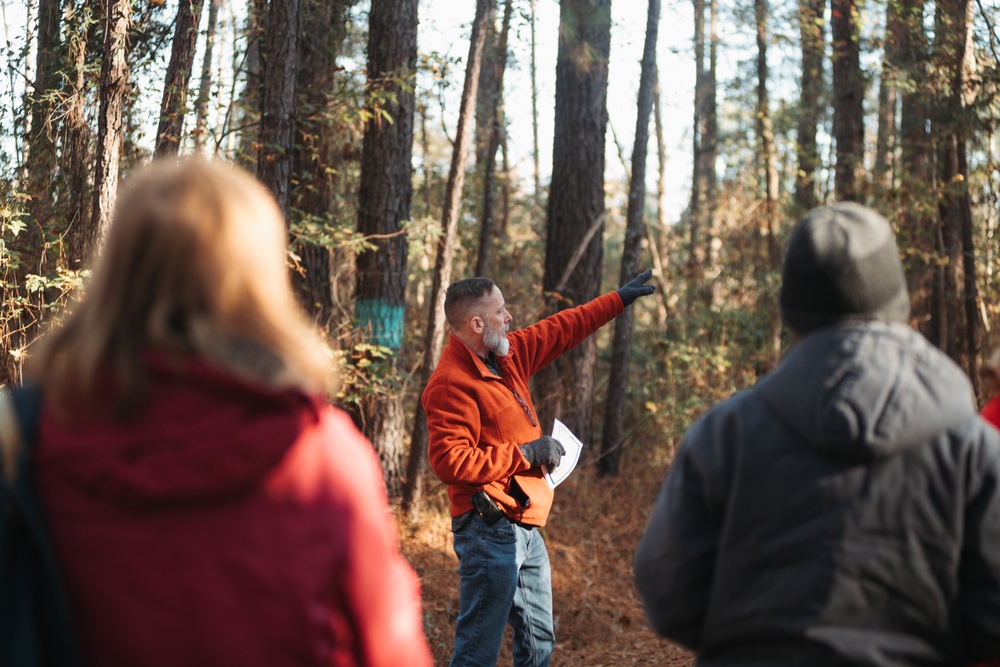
point(462, 520)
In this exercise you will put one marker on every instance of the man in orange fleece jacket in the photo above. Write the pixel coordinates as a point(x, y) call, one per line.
point(485, 443)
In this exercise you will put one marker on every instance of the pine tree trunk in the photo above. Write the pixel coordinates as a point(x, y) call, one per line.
point(383, 206)
point(116, 18)
point(811, 99)
point(174, 103)
point(277, 119)
point(434, 334)
point(917, 180)
point(38, 178)
point(848, 97)
point(768, 161)
point(205, 82)
point(662, 224)
point(317, 153)
point(888, 99)
point(955, 56)
point(698, 186)
point(41, 140)
point(495, 105)
point(250, 97)
point(710, 154)
point(565, 389)
point(765, 132)
point(76, 151)
point(613, 436)
point(487, 98)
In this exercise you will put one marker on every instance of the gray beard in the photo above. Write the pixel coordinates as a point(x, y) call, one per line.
point(497, 342)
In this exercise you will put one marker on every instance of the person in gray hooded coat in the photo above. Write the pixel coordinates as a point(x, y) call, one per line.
point(846, 509)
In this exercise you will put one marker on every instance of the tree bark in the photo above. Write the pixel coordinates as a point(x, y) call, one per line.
point(662, 224)
point(383, 206)
point(316, 154)
point(277, 120)
point(613, 435)
point(205, 83)
point(698, 177)
point(38, 175)
point(76, 152)
point(173, 105)
point(916, 194)
point(768, 160)
point(116, 17)
point(710, 154)
point(955, 56)
point(703, 205)
point(811, 99)
point(487, 98)
point(576, 203)
point(250, 97)
point(888, 100)
point(41, 140)
point(434, 335)
point(848, 98)
point(495, 105)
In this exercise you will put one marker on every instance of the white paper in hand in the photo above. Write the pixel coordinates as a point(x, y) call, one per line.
point(573, 448)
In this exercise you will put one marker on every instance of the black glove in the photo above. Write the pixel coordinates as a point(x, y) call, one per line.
point(546, 451)
point(635, 288)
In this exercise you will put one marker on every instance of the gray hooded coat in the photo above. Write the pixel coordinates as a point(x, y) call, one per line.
point(845, 511)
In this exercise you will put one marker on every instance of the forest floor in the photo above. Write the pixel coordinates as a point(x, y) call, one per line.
point(592, 533)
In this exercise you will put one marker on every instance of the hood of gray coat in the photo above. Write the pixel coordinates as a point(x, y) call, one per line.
point(867, 391)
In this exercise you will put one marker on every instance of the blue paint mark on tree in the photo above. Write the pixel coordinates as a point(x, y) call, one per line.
point(380, 321)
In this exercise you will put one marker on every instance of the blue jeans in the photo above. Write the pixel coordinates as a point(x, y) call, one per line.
point(505, 578)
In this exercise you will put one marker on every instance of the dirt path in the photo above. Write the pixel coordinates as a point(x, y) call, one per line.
point(591, 536)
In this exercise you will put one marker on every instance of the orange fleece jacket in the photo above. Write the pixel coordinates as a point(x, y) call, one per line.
point(476, 424)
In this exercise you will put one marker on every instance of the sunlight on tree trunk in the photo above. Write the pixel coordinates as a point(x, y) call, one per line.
point(174, 105)
point(888, 101)
point(250, 97)
point(205, 81)
point(110, 128)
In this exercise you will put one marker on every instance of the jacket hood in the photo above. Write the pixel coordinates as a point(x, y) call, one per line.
point(202, 436)
point(867, 391)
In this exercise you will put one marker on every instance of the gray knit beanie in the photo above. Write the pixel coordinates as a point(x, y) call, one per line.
point(842, 264)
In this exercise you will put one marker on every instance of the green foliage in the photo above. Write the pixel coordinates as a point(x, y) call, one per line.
point(28, 298)
point(676, 379)
point(366, 371)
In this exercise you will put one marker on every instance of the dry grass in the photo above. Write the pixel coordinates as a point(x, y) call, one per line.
point(591, 536)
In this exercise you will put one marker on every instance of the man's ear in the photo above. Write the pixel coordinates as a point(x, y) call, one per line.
point(477, 324)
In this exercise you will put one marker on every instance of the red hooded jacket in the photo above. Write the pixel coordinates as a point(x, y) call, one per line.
point(476, 421)
point(227, 524)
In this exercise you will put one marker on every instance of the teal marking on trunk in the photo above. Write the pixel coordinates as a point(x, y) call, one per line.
point(380, 321)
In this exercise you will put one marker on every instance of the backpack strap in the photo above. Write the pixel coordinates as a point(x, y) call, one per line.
point(10, 439)
point(35, 623)
point(18, 424)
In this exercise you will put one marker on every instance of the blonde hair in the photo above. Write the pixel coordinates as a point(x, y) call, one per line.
point(194, 266)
